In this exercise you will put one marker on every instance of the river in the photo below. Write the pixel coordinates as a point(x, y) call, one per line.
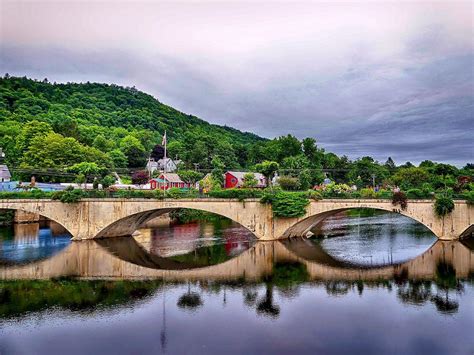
point(366, 282)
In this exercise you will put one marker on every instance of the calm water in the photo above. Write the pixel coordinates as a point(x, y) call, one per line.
point(210, 288)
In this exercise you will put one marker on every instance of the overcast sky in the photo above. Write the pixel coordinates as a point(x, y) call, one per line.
point(363, 78)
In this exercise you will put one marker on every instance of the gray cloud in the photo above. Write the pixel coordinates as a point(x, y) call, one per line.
point(362, 79)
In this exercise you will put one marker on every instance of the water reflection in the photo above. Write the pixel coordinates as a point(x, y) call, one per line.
point(23, 243)
point(138, 295)
point(198, 243)
point(367, 237)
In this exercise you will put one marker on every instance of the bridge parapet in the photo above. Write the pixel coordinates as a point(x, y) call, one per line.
point(107, 217)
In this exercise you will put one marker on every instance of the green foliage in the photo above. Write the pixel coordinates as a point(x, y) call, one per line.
point(363, 171)
point(217, 172)
point(288, 183)
point(70, 195)
point(469, 196)
point(107, 181)
point(185, 215)
point(443, 206)
point(87, 169)
point(368, 193)
point(133, 150)
point(209, 184)
point(104, 118)
point(315, 195)
point(267, 169)
point(337, 190)
point(286, 204)
point(240, 194)
point(26, 296)
point(249, 180)
point(417, 194)
point(32, 194)
point(176, 193)
point(190, 176)
point(119, 159)
point(6, 217)
point(410, 178)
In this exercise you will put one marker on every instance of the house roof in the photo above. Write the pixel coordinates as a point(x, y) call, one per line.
point(171, 177)
point(4, 172)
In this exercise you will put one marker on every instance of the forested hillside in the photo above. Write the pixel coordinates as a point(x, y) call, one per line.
point(99, 122)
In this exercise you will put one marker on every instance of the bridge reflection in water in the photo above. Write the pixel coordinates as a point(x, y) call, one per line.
point(119, 258)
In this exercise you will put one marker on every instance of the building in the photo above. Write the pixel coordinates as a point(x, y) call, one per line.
point(168, 165)
point(234, 179)
point(167, 181)
point(5, 175)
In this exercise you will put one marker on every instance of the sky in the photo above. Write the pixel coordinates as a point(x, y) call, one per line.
point(363, 78)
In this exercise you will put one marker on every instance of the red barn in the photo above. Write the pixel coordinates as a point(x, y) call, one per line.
point(236, 179)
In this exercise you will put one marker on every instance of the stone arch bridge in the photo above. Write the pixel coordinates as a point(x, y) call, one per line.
point(100, 218)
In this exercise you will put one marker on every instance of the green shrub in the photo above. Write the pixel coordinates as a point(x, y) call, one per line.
point(443, 206)
point(95, 193)
point(469, 196)
point(416, 193)
point(32, 194)
point(174, 192)
point(288, 183)
point(240, 194)
point(384, 194)
point(315, 195)
point(71, 196)
point(368, 193)
point(286, 204)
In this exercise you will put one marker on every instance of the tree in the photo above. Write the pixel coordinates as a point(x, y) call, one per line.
point(390, 165)
point(250, 180)
point(268, 169)
point(31, 130)
point(310, 149)
point(134, 151)
point(367, 168)
point(305, 179)
point(217, 170)
point(107, 181)
point(103, 144)
point(409, 178)
point(140, 177)
point(87, 169)
point(190, 176)
point(288, 183)
point(158, 152)
point(445, 169)
point(119, 159)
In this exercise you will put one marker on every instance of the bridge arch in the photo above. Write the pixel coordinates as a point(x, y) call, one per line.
point(301, 228)
point(40, 213)
point(127, 225)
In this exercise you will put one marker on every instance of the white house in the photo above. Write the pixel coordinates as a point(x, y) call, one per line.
point(5, 175)
point(169, 165)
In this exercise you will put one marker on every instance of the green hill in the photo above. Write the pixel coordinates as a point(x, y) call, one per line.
point(102, 118)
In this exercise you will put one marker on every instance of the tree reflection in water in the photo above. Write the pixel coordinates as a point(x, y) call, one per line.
point(190, 300)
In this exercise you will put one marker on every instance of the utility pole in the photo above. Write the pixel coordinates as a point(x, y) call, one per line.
point(196, 166)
